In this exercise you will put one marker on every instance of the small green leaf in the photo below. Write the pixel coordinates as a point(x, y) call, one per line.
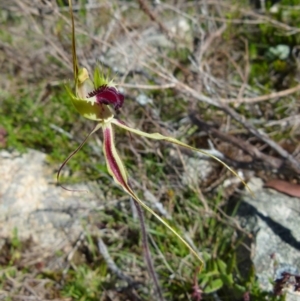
point(227, 279)
point(213, 286)
point(222, 266)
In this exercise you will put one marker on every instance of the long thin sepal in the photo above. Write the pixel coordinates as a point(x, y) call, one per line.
point(158, 136)
point(74, 153)
point(74, 55)
point(118, 172)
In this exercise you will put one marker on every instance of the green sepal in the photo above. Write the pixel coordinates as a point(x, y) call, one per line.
point(89, 109)
point(100, 80)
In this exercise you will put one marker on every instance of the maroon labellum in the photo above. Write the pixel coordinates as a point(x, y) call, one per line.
point(108, 96)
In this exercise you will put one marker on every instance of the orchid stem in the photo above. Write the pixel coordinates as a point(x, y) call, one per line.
point(147, 253)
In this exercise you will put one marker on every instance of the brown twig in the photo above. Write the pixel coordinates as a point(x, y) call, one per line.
point(273, 95)
point(209, 40)
point(147, 10)
point(260, 161)
point(240, 119)
point(263, 137)
point(248, 148)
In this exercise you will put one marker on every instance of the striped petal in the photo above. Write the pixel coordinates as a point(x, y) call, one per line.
point(117, 170)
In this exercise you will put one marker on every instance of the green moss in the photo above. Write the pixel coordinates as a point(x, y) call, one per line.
point(49, 127)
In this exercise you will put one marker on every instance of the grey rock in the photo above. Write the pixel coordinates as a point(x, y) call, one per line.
point(195, 169)
point(274, 219)
point(32, 203)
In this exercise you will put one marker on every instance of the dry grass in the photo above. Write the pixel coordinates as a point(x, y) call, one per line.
point(186, 69)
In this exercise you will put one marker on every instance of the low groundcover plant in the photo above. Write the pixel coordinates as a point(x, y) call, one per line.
point(94, 100)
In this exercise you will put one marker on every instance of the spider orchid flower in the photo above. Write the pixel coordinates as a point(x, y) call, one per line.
point(96, 100)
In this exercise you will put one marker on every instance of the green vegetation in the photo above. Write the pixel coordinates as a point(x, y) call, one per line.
point(36, 112)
